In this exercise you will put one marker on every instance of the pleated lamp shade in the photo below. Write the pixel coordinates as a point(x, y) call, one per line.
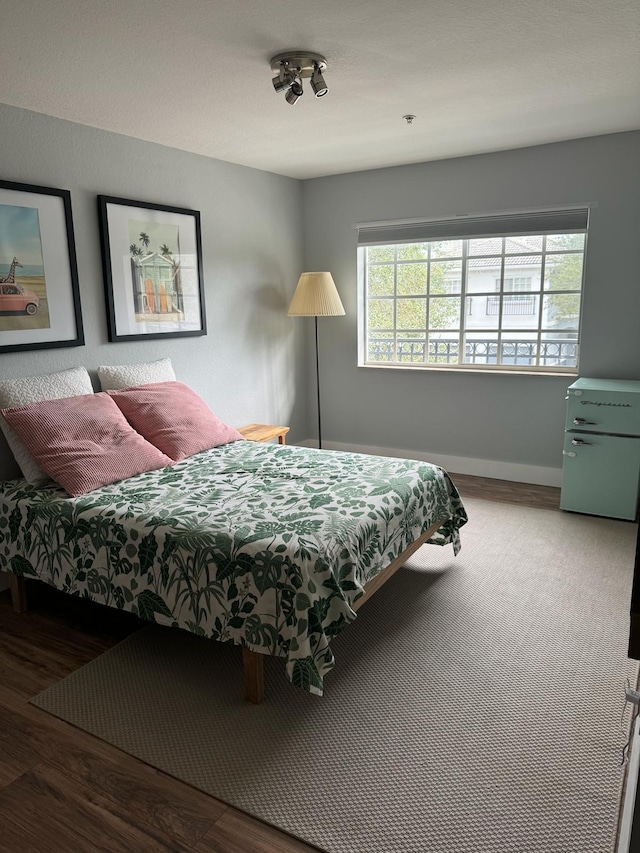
point(316, 296)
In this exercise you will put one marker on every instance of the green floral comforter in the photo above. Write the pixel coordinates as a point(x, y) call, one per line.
point(260, 545)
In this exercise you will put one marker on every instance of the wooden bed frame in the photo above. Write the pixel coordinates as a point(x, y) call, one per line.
point(253, 662)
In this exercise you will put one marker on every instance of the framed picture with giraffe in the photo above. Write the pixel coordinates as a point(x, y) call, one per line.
point(152, 261)
point(39, 293)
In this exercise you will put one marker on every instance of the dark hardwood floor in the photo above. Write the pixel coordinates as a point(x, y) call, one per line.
point(503, 491)
point(64, 791)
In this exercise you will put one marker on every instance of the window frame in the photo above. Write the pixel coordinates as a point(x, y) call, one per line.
point(465, 296)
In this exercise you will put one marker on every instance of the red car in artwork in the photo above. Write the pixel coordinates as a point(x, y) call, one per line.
point(15, 298)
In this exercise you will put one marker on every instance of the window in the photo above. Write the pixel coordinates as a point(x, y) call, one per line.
point(504, 301)
point(515, 305)
point(515, 283)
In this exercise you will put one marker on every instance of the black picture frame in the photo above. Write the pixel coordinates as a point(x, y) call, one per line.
point(152, 265)
point(39, 290)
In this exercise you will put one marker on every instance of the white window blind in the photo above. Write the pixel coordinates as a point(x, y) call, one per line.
point(571, 221)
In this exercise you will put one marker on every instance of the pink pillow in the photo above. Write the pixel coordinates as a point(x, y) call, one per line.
point(83, 442)
point(173, 417)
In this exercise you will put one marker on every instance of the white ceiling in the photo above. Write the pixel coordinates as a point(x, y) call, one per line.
point(480, 75)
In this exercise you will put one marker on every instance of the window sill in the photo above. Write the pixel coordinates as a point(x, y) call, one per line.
point(500, 371)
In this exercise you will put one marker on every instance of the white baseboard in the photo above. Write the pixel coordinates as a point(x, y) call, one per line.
point(513, 471)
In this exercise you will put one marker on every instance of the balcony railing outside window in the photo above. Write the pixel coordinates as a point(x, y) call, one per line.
point(512, 305)
point(556, 353)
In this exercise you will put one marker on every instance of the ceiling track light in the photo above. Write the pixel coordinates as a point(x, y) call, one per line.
point(292, 67)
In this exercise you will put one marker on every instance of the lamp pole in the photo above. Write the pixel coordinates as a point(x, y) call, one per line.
point(318, 385)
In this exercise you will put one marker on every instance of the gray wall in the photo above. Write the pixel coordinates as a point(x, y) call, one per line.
point(255, 364)
point(248, 366)
point(509, 419)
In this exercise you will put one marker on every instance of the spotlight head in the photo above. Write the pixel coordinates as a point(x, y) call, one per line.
point(318, 84)
point(295, 93)
point(280, 84)
point(284, 78)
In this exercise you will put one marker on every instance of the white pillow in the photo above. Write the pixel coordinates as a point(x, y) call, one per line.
point(113, 378)
point(35, 389)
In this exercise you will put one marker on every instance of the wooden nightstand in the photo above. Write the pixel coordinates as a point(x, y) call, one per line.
point(264, 432)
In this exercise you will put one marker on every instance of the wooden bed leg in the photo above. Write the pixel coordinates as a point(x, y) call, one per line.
point(18, 589)
point(253, 676)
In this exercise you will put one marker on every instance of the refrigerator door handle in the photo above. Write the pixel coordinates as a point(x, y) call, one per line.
point(579, 442)
point(582, 422)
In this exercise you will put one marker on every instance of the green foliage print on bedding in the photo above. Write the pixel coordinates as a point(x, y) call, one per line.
point(260, 545)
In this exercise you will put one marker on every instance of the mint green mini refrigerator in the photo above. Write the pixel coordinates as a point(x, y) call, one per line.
point(601, 456)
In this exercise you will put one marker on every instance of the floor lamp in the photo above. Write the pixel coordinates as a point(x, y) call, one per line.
point(316, 296)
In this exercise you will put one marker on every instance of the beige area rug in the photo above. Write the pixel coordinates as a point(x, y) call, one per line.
point(475, 706)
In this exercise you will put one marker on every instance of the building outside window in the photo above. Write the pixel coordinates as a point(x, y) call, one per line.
point(507, 301)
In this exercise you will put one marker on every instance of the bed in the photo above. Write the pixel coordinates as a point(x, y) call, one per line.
point(270, 547)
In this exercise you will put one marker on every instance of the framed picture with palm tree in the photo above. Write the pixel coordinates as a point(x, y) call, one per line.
point(152, 262)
